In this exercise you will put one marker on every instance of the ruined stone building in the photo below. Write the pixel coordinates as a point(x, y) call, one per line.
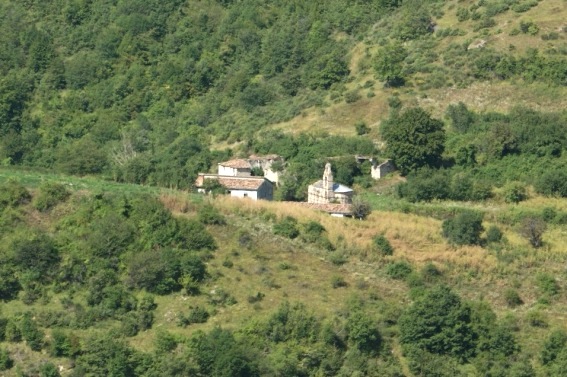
point(327, 191)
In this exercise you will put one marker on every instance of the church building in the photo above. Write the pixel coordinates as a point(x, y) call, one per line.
point(327, 191)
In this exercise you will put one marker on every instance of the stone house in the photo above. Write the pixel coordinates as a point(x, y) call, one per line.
point(381, 170)
point(255, 188)
point(326, 191)
point(265, 163)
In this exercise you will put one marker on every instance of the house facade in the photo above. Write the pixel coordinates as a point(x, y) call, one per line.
point(326, 191)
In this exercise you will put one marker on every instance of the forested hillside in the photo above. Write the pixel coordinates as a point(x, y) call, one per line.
point(459, 270)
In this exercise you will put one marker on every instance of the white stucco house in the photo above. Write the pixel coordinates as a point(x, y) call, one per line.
point(255, 188)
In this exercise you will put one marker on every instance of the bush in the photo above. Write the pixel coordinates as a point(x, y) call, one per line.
point(287, 227)
point(383, 245)
point(338, 282)
point(209, 215)
point(36, 254)
point(31, 333)
point(552, 183)
point(195, 315)
point(430, 272)
point(553, 346)
point(195, 236)
point(425, 185)
point(464, 229)
point(493, 234)
point(49, 195)
point(361, 128)
point(48, 370)
point(532, 228)
point(399, 270)
point(512, 298)
point(313, 231)
point(547, 284)
point(514, 192)
point(536, 318)
point(338, 258)
point(5, 361)
point(361, 209)
point(362, 332)
point(13, 194)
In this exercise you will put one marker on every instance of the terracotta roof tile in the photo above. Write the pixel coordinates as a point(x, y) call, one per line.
point(232, 183)
point(345, 209)
point(236, 164)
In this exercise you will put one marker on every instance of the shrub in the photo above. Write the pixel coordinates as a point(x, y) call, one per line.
point(48, 370)
point(312, 231)
point(5, 361)
point(430, 272)
point(31, 333)
point(352, 96)
point(383, 245)
point(362, 332)
point(553, 346)
point(195, 315)
point(536, 318)
point(512, 298)
point(552, 183)
point(514, 192)
point(49, 195)
point(13, 194)
point(221, 297)
point(195, 236)
point(464, 229)
point(338, 282)
point(209, 215)
point(532, 228)
point(287, 227)
point(493, 234)
point(547, 284)
point(361, 128)
point(36, 254)
point(338, 258)
point(157, 271)
point(425, 185)
point(399, 270)
point(360, 208)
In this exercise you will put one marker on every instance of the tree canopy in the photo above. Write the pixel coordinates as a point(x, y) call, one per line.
point(414, 139)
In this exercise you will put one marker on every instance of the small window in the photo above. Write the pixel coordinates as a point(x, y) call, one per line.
point(245, 194)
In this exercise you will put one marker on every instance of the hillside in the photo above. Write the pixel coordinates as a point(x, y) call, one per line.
point(255, 276)
point(110, 264)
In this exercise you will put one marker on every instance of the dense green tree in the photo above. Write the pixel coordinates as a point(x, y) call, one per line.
point(414, 139)
point(218, 354)
point(464, 229)
point(104, 355)
point(36, 253)
point(439, 323)
point(388, 64)
point(157, 271)
point(363, 333)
